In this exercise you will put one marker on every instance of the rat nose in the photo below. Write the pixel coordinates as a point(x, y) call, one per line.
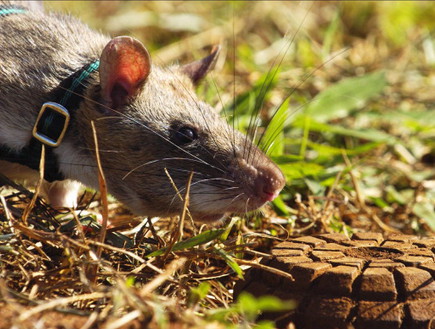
point(268, 183)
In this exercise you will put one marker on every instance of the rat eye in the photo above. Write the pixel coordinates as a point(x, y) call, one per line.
point(184, 135)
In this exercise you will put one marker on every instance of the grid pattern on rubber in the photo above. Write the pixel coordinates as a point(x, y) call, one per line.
point(368, 281)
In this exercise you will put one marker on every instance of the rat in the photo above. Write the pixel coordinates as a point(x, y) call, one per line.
point(57, 75)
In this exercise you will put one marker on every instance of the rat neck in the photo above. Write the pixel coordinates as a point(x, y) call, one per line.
point(52, 122)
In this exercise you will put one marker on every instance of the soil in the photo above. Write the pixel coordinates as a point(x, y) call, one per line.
point(46, 320)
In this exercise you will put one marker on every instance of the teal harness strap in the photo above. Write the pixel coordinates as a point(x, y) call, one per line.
point(10, 10)
point(53, 118)
point(68, 94)
point(77, 81)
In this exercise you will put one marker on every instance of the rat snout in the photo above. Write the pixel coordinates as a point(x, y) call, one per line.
point(268, 183)
point(261, 180)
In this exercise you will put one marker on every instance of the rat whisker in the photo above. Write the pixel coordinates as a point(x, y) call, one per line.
point(246, 204)
point(270, 76)
point(309, 75)
point(201, 192)
point(236, 197)
point(156, 161)
point(100, 150)
point(207, 180)
point(231, 188)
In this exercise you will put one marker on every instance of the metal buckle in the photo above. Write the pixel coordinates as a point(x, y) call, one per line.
point(48, 119)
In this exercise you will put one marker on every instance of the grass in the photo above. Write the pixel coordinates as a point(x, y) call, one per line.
point(343, 96)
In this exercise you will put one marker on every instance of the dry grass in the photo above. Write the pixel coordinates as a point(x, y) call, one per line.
point(55, 272)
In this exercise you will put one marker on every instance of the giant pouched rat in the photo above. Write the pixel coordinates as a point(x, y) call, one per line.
point(150, 125)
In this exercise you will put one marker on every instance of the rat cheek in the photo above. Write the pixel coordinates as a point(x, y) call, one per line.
point(135, 147)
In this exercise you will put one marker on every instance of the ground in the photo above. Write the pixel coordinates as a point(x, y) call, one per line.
point(345, 90)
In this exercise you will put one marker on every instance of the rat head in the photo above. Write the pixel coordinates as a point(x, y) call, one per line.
point(154, 133)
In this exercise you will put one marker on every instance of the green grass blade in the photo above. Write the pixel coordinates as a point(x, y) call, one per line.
point(339, 100)
point(272, 141)
point(199, 239)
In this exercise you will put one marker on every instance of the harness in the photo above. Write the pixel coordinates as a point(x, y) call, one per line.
point(53, 118)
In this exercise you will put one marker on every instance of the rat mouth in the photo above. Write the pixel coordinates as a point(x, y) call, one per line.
point(207, 217)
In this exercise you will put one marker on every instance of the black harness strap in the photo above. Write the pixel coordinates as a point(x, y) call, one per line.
point(53, 118)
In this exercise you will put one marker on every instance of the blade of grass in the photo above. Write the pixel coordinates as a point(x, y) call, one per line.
point(201, 238)
point(104, 202)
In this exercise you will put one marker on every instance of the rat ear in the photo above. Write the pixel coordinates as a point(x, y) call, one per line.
point(197, 70)
point(124, 67)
